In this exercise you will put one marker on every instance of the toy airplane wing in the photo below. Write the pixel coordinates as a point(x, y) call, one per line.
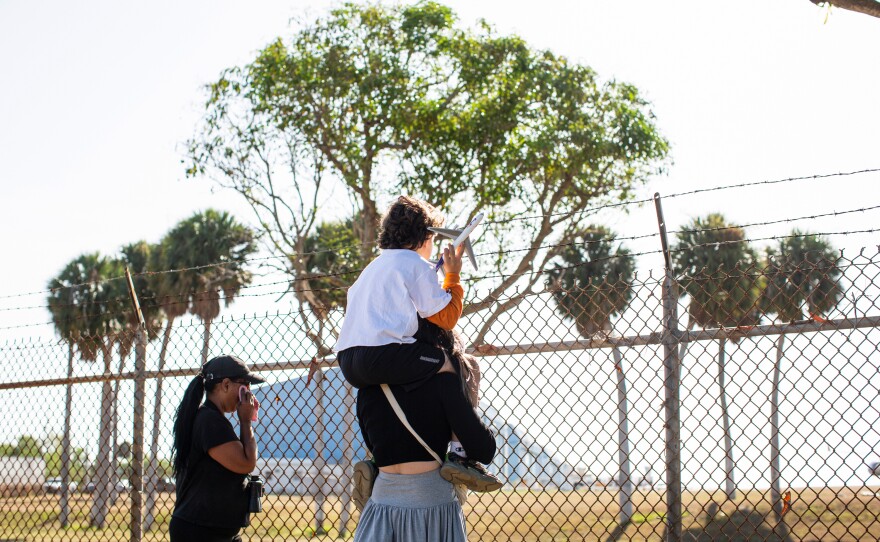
point(461, 236)
point(453, 234)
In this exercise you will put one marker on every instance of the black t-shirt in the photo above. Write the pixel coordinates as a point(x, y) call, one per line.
point(210, 494)
point(435, 410)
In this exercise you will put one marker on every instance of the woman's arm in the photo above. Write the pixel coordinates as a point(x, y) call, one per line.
point(239, 456)
point(477, 439)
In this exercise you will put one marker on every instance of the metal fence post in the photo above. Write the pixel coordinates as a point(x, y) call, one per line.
point(672, 382)
point(64, 516)
point(140, 367)
point(137, 482)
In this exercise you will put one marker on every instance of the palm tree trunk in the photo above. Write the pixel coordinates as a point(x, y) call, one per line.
point(625, 485)
point(64, 516)
point(775, 475)
point(730, 484)
point(153, 467)
point(207, 341)
point(114, 456)
point(319, 481)
point(104, 483)
point(347, 458)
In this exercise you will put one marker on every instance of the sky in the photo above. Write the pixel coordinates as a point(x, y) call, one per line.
point(98, 98)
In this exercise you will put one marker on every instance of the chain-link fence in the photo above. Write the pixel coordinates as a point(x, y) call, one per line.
point(724, 404)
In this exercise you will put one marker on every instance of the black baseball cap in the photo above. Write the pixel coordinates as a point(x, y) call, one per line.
point(228, 367)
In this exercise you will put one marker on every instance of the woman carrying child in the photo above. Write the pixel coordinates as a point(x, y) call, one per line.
point(378, 342)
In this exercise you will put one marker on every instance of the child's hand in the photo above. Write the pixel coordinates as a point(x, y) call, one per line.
point(452, 258)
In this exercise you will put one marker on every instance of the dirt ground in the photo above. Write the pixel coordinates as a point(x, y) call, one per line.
point(829, 514)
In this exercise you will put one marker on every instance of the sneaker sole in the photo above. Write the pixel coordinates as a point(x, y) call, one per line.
point(363, 479)
point(455, 476)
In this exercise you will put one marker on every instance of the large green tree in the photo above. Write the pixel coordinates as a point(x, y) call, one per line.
point(86, 309)
point(370, 101)
point(717, 270)
point(591, 284)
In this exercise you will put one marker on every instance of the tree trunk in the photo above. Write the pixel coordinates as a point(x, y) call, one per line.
point(625, 485)
point(369, 226)
point(319, 481)
point(866, 7)
point(729, 482)
point(207, 341)
point(64, 516)
point(347, 458)
point(153, 467)
point(114, 455)
point(105, 482)
point(775, 483)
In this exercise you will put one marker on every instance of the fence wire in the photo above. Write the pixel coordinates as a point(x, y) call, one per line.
point(777, 385)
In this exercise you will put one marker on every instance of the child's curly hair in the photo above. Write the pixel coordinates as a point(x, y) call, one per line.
point(406, 223)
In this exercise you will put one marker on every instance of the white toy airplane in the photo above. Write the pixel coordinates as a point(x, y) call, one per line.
point(460, 236)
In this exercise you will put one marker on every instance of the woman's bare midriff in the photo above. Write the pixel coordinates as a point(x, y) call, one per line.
point(413, 467)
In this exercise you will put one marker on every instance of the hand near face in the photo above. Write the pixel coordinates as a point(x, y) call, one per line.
point(247, 405)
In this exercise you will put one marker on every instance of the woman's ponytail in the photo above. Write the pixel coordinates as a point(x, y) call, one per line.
point(183, 425)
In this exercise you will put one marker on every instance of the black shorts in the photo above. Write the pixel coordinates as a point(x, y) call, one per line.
point(408, 365)
point(181, 530)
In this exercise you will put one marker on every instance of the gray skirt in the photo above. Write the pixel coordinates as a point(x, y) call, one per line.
point(411, 508)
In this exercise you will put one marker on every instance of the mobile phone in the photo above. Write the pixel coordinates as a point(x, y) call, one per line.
point(241, 391)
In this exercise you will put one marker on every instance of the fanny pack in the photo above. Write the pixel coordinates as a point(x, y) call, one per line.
point(255, 495)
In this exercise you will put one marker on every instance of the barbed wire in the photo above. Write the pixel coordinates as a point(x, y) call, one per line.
point(318, 276)
point(690, 192)
point(166, 271)
point(842, 268)
point(587, 210)
point(677, 249)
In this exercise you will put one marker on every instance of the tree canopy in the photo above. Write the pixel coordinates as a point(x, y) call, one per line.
point(593, 280)
point(803, 276)
point(719, 273)
point(371, 101)
point(86, 307)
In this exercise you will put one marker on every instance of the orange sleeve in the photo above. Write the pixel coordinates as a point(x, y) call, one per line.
point(449, 315)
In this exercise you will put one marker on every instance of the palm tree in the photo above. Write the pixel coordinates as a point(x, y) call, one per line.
point(85, 309)
point(201, 256)
point(328, 267)
point(802, 275)
point(136, 257)
point(171, 295)
point(592, 284)
point(213, 248)
point(717, 269)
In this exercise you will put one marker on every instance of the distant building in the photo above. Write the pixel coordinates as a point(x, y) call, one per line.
point(287, 443)
point(21, 474)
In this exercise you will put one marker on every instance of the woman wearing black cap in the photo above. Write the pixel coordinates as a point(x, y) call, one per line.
point(211, 463)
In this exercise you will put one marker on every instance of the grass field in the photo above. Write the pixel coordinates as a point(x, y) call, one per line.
point(829, 514)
